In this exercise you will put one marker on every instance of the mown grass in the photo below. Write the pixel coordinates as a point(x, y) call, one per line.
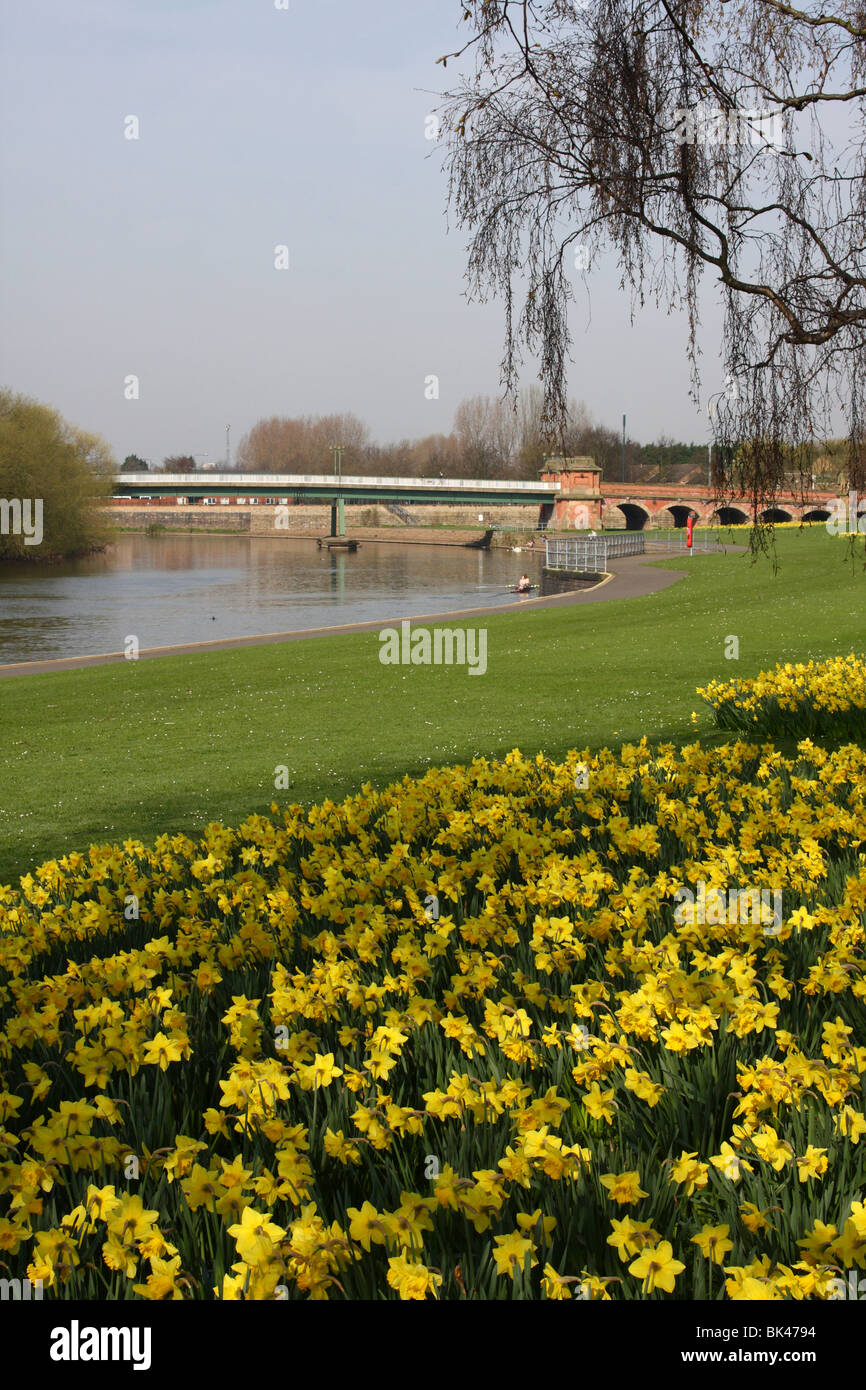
point(171, 744)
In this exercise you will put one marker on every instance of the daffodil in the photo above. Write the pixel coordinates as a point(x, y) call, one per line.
point(753, 1218)
point(713, 1242)
point(730, 1164)
point(128, 1219)
point(510, 1252)
point(630, 1237)
point(320, 1072)
point(623, 1188)
point(256, 1237)
point(161, 1283)
point(411, 1279)
point(367, 1226)
point(813, 1164)
point(556, 1286)
point(599, 1104)
point(162, 1050)
point(657, 1267)
point(689, 1171)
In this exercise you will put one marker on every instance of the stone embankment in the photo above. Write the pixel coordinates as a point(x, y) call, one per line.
point(435, 525)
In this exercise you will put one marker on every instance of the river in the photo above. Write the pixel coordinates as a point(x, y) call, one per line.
point(167, 590)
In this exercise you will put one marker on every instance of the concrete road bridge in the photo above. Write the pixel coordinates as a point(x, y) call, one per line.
point(283, 488)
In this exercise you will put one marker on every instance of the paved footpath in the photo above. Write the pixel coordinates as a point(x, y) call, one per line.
point(634, 577)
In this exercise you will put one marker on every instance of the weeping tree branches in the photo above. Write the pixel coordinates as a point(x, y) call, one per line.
point(697, 141)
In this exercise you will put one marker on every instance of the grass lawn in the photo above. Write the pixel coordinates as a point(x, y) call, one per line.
point(136, 749)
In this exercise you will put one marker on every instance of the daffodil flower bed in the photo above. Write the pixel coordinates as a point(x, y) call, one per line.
point(816, 697)
point(450, 1040)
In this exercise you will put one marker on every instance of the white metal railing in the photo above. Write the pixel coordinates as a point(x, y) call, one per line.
point(283, 482)
point(675, 539)
point(593, 552)
point(589, 552)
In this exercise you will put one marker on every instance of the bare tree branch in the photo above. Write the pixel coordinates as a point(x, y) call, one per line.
point(685, 136)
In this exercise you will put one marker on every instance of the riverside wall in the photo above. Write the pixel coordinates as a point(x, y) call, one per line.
point(567, 581)
point(317, 519)
point(180, 518)
point(312, 519)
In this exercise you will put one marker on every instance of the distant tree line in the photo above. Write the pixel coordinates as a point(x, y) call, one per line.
point(175, 463)
point(489, 439)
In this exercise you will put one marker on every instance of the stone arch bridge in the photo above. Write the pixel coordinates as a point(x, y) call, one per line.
point(585, 501)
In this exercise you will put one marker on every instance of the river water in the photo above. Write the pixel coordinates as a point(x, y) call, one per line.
point(167, 590)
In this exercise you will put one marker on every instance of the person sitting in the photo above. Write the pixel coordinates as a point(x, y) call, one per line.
point(524, 584)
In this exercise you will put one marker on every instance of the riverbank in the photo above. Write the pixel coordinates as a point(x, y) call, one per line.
point(10, 564)
point(418, 525)
point(635, 575)
point(152, 747)
point(380, 535)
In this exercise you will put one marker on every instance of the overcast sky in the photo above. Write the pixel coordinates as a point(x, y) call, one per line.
point(261, 127)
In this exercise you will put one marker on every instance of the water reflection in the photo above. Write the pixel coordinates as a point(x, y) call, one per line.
point(172, 589)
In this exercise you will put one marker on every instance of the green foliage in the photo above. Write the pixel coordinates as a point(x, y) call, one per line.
point(667, 457)
point(45, 459)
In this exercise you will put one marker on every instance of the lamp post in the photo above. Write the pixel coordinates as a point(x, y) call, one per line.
point(338, 515)
point(623, 448)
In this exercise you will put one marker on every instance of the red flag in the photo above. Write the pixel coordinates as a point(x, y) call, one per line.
point(689, 525)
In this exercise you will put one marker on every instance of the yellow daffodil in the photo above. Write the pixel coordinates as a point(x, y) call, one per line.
point(713, 1242)
point(657, 1268)
point(623, 1188)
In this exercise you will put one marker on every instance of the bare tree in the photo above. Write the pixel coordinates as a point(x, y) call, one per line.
point(535, 439)
point(271, 446)
point(434, 456)
point(281, 445)
point(505, 435)
point(690, 136)
point(472, 427)
point(533, 444)
point(325, 431)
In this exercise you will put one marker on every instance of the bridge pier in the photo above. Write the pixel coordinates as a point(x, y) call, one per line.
point(338, 517)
